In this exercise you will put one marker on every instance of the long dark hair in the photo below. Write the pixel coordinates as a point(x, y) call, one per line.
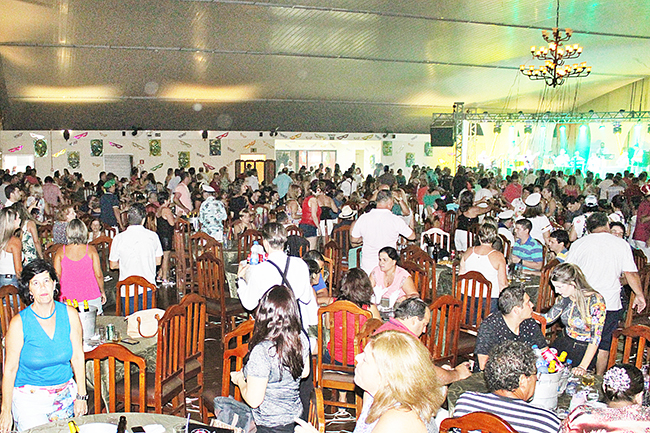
point(278, 320)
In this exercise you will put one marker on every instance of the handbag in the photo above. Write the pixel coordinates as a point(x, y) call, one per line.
point(235, 414)
point(143, 323)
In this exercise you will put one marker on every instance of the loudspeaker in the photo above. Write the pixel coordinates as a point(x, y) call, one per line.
point(442, 136)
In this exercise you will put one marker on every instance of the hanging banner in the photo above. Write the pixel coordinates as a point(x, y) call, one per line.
point(183, 159)
point(387, 148)
point(96, 147)
point(154, 168)
point(40, 148)
point(59, 153)
point(155, 148)
point(215, 147)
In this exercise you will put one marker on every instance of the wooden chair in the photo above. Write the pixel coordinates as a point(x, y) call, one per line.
point(341, 237)
point(317, 410)
point(111, 353)
point(332, 253)
point(631, 316)
point(140, 286)
point(437, 236)
point(635, 337)
point(449, 223)
point(418, 256)
point(109, 231)
point(472, 235)
point(260, 215)
point(546, 294)
point(50, 252)
point(103, 246)
point(420, 277)
point(168, 393)
point(246, 242)
point(474, 291)
point(212, 287)
point(441, 337)
point(477, 421)
point(194, 346)
point(507, 247)
point(345, 318)
point(541, 320)
point(10, 305)
point(639, 258)
point(201, 242)
point(294, 231)
point(151, 223)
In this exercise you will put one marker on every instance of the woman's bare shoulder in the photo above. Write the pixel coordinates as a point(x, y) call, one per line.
point(399, 420)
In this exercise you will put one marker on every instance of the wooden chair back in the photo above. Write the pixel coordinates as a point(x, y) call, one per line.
point(367, 331)
point(294, 231)
point(507, 247)
point(332, 253)
point(235, 348)
point(475, 292)
point(341, 318)
point(170, 362)
point(441, 336)
point(438, 237)
point(140, 286)
point(103, 246)
point(545, 293)
point(194, 345)
point(635, 340)
point(260, 215)
point(541, 320)
point(477, 421)
point(112, 353)
point(151, 223)
point(420, 278)
point(341, 237)
point(10, 305)
point(472, 235)
point(201, 242)
point(632, 314)
point(317, 410)
point(639, 258)
point(449, 223)
point(416, 255)
point(50, 252)
point(109, 231)
point(246, 242)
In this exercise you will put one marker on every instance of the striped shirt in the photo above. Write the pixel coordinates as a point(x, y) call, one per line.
point(523, 417)
point(531, 250)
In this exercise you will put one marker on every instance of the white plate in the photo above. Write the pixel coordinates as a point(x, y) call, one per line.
point(98, 427)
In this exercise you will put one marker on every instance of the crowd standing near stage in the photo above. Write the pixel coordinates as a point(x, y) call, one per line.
point(592, 226)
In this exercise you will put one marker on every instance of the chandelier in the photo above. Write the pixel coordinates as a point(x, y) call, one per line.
point(554, 71)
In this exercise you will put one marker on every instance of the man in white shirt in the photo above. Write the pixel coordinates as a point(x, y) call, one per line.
point(377, 229)
point(348, 185)
point(136, 251)
point(603, 258)
point(174, 181)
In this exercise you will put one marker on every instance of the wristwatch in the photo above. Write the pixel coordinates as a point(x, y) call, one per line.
point(82, 397)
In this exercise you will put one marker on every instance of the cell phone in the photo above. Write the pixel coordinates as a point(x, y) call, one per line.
point(129, 340)
point(137, 429)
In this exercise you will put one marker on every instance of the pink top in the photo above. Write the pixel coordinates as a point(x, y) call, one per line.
point(78, 278)
point(401, 275)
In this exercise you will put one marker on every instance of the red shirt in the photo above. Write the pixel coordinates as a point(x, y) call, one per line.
point(642, 230)
point(306, 212)
point(512, 191)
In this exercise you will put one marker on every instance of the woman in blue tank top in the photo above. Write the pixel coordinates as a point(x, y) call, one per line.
point(43, 350)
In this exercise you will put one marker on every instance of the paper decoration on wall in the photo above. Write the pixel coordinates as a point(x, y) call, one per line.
point(342, 137)
point(59, 153)
point(367, 137)
point(156, 167)
point(103, 135)
point(15, 149)
point(215, 147)
point(96, 164)
point(182, 135)
point(40, 148)
point(224, 135)
point(410, 144)
point(320, 137)
point(293, 137)
point(428, 150)
point(155, 148)
point(171, 155)
point(74, 142)
point(249, 145)
point(200, 155)
point(410, 159)
point(137, 146)
point(20, 134)
point(119, 146)
point(415, 137)
point(230, 149)
point(82, 135)
point(208, 167)
point(96, 147)
point(372, 160)
point(73, 159)
point(183, 159)
point(387, 148)
point(185, 143)
point(242, 135)
point(36, 136)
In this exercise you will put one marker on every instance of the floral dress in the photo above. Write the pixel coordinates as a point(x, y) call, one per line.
point(29, 247)
point(212, 215)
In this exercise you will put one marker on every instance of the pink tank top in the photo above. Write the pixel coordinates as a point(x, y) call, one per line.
point(78, 278)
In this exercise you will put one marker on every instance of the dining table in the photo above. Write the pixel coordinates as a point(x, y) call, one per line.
point(101, 423)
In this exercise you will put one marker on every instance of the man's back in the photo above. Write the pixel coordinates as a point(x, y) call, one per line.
point(136, 250)
point(523, 417)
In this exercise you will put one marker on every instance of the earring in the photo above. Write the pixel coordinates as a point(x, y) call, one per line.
point(31, 298)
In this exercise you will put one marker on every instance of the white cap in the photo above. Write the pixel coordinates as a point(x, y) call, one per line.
point(506, 214)
point(533, 199)
point(207, 188)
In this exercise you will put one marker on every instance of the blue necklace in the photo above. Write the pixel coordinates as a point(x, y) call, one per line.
point(41, 317)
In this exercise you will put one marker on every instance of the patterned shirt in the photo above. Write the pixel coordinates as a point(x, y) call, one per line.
point(628, 419)
point(212, 214)
point(577, 327)
point(531, 251)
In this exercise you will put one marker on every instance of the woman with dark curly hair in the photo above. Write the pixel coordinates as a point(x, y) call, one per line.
point(43, 350)
point(278, 357)
point(623, 390)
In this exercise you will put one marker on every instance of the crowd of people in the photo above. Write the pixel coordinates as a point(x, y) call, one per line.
point(589, 225)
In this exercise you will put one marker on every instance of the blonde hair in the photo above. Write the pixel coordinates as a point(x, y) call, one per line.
point(568, 273)
point(7, 229)
point(410, 380)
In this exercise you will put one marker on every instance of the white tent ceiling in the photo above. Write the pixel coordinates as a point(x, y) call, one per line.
point(310, 65)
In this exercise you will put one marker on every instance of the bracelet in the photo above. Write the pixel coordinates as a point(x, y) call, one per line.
point(82, 397)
